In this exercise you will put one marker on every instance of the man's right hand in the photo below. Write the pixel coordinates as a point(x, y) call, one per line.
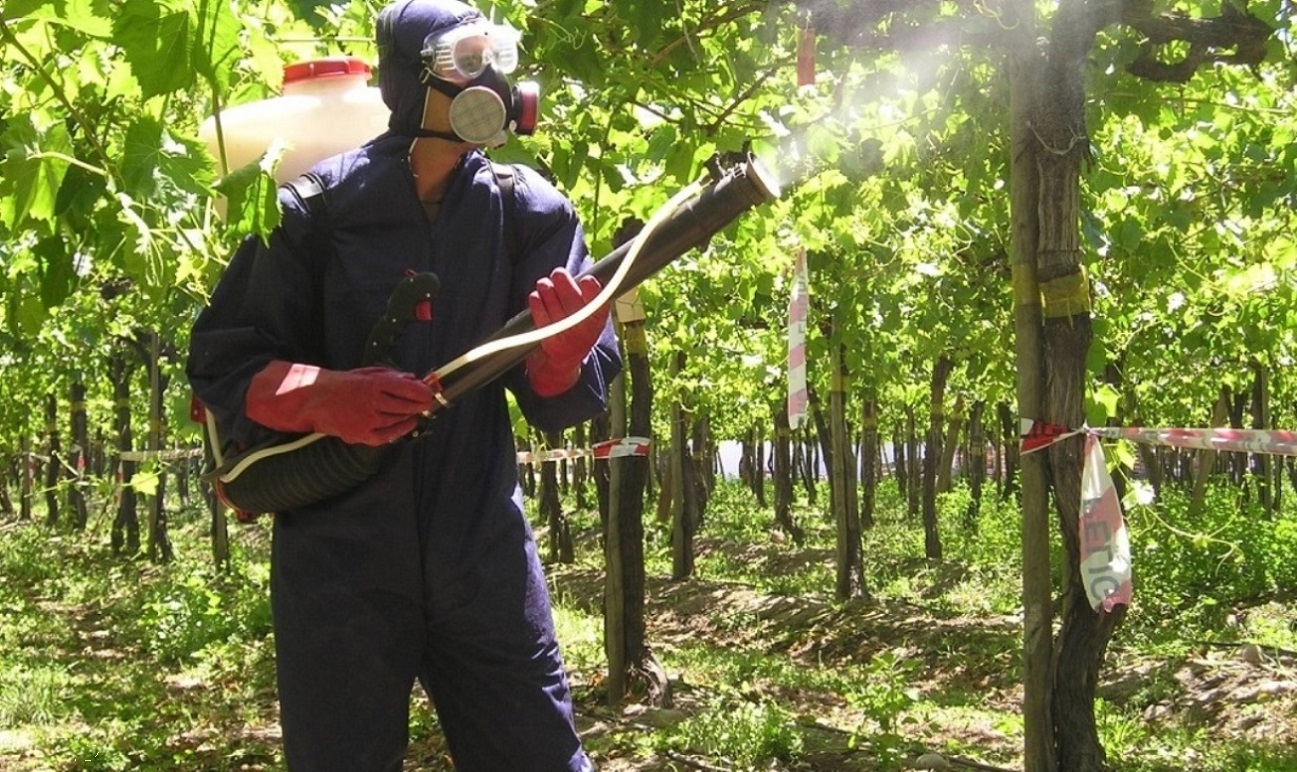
point(366, 406)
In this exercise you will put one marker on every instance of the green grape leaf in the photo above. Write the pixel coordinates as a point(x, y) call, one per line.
point(31, 315)
point(1101, 404)
point(252, 202)
point(140, 157)
point(93, 17)
point(58, 276)
point(34, 165)
point(217, 46)
point(155, 39)
point(184, 161)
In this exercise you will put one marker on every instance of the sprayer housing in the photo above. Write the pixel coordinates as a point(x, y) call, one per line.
point(326, 107)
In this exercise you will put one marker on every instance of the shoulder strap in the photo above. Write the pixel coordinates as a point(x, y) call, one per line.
point(309, 188)
point(504, 177)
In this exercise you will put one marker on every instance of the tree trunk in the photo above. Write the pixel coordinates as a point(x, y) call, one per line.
point(614, 586)
point(705, 454)
point(626, 550)
point(1009, 448)
point(28, 483)
point(805, 466)
point(600, 430)
point(580, 468)
point(1113, 376)
point(7, 471)
point(868, 458)
point(822, 434)
point(159, 539)
point(1261, 467)
point(1236, 464)
point(1024, 192)
point(901, 463)
point(551, 507)
point(746, 460)
point(695, 488)
point(932, 458)
point(976, 464)
point(1058, 124)
point(850, 563)
point(682, 528)
point(913, 486)
point(54, 466)
point(126, 523)
point(945, 472)
point(783, 474)
point(77, 455)
point(1207, 459)
point(219, 530)
point(700, 465)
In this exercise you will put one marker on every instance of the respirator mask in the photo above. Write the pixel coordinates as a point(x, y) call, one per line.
point(469, 63)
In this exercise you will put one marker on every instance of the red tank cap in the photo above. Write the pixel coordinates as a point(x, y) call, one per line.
point(325, 68)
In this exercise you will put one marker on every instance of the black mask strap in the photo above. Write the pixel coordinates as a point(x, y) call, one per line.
point(432, 81)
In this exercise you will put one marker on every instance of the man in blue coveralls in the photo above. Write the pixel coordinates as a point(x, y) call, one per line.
point(428, 570)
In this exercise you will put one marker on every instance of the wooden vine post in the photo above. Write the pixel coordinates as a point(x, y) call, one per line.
point(614, 583)
point(28, 483)
point(682, 529)
point(159, 541)
point(1037, 712)
point(932, 457)
point(850, 581)
point(551, 505)
point(629, 657)
point(54, 464)
point(77, 454)
point(783, 474)
point(869, 450)
point(126, 523)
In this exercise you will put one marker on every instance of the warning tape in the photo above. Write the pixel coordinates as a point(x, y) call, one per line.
point(1037, 435)
point(624, 447)
point(162, 455)
point(1105, 543)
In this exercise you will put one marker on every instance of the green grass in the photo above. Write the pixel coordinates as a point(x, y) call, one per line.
point(741, 734)
point(35, 696)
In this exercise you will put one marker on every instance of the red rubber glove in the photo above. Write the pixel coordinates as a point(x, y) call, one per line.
point(366, 406)
point(555, 367)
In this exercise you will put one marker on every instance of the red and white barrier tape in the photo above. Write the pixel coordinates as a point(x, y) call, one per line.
point(162, 455)
point(1105, 544)
point(626, 446)
point(1037, 435)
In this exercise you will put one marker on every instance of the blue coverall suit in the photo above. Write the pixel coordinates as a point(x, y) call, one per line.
point(428, 570)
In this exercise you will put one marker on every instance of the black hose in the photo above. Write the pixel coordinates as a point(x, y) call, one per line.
point(313, 473)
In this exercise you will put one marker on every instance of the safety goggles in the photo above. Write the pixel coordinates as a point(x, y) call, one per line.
point(462, 53)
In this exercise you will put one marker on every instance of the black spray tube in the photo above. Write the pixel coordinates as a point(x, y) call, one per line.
point(691, 225)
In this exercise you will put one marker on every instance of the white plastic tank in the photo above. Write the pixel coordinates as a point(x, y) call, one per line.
point(326, 106)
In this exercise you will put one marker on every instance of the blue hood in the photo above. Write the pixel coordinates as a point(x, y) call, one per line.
point(401, 30)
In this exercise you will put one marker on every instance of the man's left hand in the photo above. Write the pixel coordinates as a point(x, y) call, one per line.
point(555, 367)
